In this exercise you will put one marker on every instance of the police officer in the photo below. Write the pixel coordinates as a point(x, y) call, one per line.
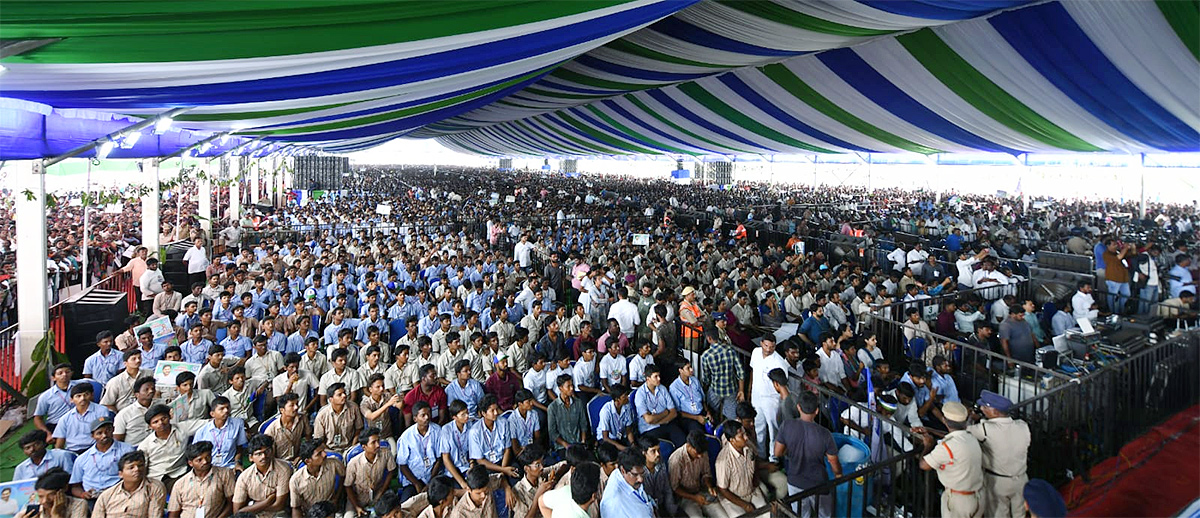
point(958, 460)
point(1043, 500)
point(1005, 444)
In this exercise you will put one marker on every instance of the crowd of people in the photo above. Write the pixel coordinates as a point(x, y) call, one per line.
point(515, 344)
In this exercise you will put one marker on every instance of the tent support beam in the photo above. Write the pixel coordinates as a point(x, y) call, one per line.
point(46, 163)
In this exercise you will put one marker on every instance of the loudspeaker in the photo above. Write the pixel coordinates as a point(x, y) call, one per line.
point(97, 310)
point(173, 268)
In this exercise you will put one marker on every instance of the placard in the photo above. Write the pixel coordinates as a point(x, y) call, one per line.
point(15, 495)
point(510, 199)
point(114, 208)
point(165, 372)
point(383, 209)
point(641, 239)
point(163, 329)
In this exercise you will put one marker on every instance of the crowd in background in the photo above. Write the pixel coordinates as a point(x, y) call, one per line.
point(447, 342)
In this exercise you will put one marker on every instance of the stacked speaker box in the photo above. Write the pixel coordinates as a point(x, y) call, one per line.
point(719, 173)
point(173, 267)
point(570, 165)
point(506, 164)
point(97, 310)
point(321, 173)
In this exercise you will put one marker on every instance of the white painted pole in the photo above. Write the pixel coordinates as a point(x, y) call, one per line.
point(86, 225)
point(204, 201)
point(150, 206)
point(234, 212)
point(33, 302)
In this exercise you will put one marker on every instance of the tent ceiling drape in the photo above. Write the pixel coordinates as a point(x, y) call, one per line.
point(576, 77)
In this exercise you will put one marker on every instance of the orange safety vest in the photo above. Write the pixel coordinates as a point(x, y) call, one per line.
point(688, 330)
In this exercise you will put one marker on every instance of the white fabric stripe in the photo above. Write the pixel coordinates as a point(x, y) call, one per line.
point(980, 45)
point(679, 136)
point(644, 129)
point(100, 76)
point(895, 63)
point(744, 106)
point(834, 88)
point(660, 42)
point(496, 139)
point(547, 131)
point(630, 60)
point(1141, 43)
point(856, 14)
point(746, 28)
point(613, 133)
point(720, 140)
point(760, 144)
point(801, 110)
point(607, 76)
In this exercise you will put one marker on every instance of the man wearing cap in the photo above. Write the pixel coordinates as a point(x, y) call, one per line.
point(689, 313)
point(1005, 445)
point(1043, 500)
point(96, 469)
point(958, 460)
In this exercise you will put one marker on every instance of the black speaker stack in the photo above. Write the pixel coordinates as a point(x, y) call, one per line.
point(321, 173)
point(173, 268)
point(95, 311)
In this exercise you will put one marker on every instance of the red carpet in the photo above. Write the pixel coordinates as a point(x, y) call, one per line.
point(1158, 474)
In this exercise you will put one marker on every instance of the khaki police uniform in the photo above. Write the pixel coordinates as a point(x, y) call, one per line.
point(958, 460)
point(1005, 445)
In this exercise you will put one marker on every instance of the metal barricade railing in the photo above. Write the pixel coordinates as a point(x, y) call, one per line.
point(10, 374)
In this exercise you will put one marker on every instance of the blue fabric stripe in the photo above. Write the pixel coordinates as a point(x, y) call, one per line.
point(380, 75)
point(682, 30)
point(670, 103)
point(736, 84)
point(549, 82)
point(541, 138)
point(407, 123)
point(1050, 40)
point(636, 73)
point(612, 105)
point(553, 118)
point(600, 125)
point(863, 77)
point(942, 9)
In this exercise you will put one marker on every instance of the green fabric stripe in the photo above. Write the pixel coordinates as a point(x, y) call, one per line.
point(526, 129)
point(778, 13)
point(563, 95)
point(563, 135)
point(624, 45)
point(396, 114)
point(626, 130)
point(503, 139)
point(805, 93)
point(603, 137)
point(232, 116)
point(1184, 17)
point(975, 88)
point(576, 77)
point(193, 30)
point(729, 113)
point(646, 109)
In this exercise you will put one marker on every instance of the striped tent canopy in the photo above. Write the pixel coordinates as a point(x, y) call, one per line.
point(612, 77)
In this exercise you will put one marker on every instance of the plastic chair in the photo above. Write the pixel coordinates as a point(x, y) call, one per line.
point(97, 390)
point(221, 334)
point(714, 448)
point(328, 455)
point(594, 406)
point(262, 428)
point(665, 448)
point(916, 348)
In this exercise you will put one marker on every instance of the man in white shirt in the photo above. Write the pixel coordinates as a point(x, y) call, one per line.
point(898, 257)
point(197, 262)
point(966, 264)
point(151, 285)
point(522, 251)
point(916, 259)
point(1082, 303)
point(625, 313)
point(763, 396)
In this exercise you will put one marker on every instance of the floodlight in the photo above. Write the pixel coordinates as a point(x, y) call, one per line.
point(104, 149)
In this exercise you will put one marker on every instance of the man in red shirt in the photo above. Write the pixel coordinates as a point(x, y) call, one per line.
point(428, 391)
point(503, 383)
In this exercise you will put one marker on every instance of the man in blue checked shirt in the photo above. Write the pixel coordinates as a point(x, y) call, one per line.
point(39, 459)
point(417, 451)
point(96, 468)
point(616, 419)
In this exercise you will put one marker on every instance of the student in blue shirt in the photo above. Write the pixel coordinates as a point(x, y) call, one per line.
point(96, 468)
point(417, 451)
point(616, 419)
point(624, 496)
point(227, 435)
point(39, 459)
point(151, 352)
point(524, 423)
point(452, 445)
point(489, 440)
point(943, 381)
point(55, 402)
point(74, 430)
point(195, 349)
point(105, 363)
point(465, 388)
point(236, 345)
point(656, 409)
